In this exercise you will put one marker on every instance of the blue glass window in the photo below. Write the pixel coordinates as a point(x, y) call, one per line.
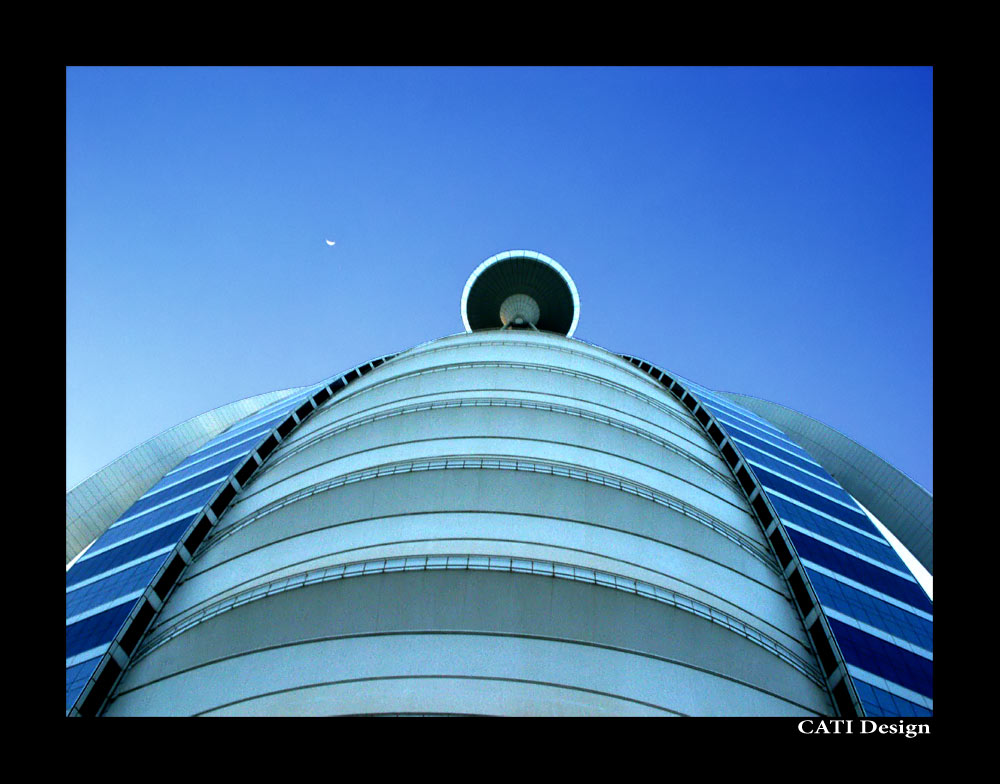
point(759, 458)
point(856, 518)
point(770, 453)
point(174, 491)
point(775, 441)
point(754, 446)
point(192, 503)
point(158, 521)
point(860, 571)
point(232, 438)
point(226, 455)
point(76, 679)
point(97, 629)
point(885, 659)
point(102, 562)
point(720, 408)
point(799, 515)
point(118, 584)
point(283, 407)
point(745, 438)
point(873, 611)
point(878, 702)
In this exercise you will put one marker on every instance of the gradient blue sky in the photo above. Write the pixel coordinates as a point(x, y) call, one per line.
point(764, 230)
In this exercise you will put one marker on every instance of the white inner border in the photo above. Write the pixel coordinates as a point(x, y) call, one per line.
point(517, 254)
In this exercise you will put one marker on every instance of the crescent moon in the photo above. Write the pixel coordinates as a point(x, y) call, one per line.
point(330, 243)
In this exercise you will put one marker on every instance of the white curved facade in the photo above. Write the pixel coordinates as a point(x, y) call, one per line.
point(499, 522)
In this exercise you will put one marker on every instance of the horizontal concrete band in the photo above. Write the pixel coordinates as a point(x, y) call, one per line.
point(441, 402)
point(482, 562)
point(526, 677)
point(535, 348)
point(572, 616)
point(477, 473)
point(463, 383)
point(767, 614)
point(438, 695)
point(516, 424)
point(508, 375)
point(578, 464)
point(479, 420)
point(522, 513)
point(623, 527)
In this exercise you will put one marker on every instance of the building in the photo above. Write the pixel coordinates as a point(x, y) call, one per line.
point(504, 521)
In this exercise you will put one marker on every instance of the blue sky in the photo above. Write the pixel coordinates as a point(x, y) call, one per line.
point(765, 231)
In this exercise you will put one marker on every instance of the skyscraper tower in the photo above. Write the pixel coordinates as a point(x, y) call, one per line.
point(504, 521)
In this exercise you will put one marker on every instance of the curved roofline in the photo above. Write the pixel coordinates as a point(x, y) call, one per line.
point(901, 504)
point(526, 254)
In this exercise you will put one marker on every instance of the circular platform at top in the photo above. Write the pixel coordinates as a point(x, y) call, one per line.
point(525, 272)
